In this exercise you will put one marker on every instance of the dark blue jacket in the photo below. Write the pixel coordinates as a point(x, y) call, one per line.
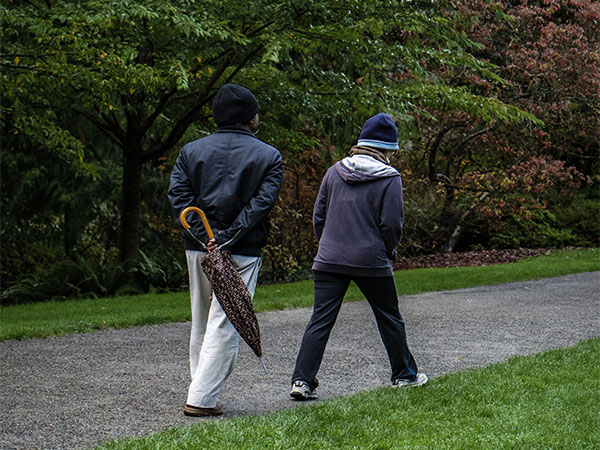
point(358, 218)
point(235, 179)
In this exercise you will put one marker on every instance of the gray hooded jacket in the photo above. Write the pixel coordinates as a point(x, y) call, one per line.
point(358, 217)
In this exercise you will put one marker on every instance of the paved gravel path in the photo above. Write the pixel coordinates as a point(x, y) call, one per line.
point(81, 390)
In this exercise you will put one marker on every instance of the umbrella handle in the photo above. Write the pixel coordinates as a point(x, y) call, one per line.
point(186, 225)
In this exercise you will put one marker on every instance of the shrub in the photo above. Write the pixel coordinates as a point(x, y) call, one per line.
point(78, 278)
point(582, 216)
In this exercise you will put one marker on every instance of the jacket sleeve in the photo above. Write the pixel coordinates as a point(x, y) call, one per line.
point(320, 211)
point(259, 206)
point(392, 216)
point(181, 195)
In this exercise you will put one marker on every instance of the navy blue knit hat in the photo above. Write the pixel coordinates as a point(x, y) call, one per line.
point(234, 105)
point(379, 132)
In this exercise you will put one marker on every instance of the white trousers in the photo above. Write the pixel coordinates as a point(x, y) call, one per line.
point(213, 340)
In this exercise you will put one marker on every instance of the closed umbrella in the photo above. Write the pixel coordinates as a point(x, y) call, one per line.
point(228, 286)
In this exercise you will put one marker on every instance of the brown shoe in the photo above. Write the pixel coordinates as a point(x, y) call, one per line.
point(196, 411)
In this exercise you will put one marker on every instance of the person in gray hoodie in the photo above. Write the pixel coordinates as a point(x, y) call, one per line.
point(357, 218)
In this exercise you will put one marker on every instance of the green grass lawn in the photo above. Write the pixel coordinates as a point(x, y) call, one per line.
point(75, 316)
point(546, 401)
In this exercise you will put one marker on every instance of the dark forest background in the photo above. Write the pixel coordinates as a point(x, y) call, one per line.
point(497, 105)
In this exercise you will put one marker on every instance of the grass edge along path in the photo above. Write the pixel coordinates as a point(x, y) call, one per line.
point(547, 400)
point(56, 318)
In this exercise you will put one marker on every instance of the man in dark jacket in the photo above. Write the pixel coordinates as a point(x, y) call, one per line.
point(235, 179)
point(357, 219)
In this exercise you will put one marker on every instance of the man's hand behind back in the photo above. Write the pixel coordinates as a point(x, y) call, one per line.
point(212, 245)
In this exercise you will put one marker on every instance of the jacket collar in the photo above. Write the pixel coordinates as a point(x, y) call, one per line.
point(234, 129)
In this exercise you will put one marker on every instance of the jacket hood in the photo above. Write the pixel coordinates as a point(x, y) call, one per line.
point(362, 168)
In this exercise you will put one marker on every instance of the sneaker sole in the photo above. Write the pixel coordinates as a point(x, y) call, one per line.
point(301, 397)
point(202, 413)
point(415, 384)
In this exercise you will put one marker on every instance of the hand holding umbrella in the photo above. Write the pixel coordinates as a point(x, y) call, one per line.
point(228, 286)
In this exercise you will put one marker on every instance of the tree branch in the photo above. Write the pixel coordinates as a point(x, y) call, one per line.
point(466, 140)
point(260, 28)
point(242, 64)
point(189, 117)
point(147, 123)
point(458, 229)
point(435, 146)
point(472, 136)
point(104, 128)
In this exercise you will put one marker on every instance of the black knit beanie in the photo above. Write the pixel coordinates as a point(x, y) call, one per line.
point(234, 105)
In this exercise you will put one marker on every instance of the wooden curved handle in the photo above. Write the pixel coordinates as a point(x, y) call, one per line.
point(198, 211)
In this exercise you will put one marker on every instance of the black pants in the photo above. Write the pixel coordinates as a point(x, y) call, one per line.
point(380, 292)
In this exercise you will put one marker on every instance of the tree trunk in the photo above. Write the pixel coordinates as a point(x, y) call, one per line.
point(446, 219)
point(129, 242)
point(68, 232)
point(459, 226)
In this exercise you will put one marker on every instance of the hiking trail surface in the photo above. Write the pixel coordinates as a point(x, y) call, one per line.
point(81, 390)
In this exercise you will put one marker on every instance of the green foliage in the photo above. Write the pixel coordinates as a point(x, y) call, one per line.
point(582, 216)
point(155, 276)
point(547, 56)
point(444, 98)
point(422, 210)
point(104, 93)
point(522, 212)
point(78, 278)
point(66, 279)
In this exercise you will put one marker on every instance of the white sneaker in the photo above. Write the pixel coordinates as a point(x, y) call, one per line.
point(302, 391)
point(419, 381)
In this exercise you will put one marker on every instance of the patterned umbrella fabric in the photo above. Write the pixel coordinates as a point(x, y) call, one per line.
point(228, 287)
